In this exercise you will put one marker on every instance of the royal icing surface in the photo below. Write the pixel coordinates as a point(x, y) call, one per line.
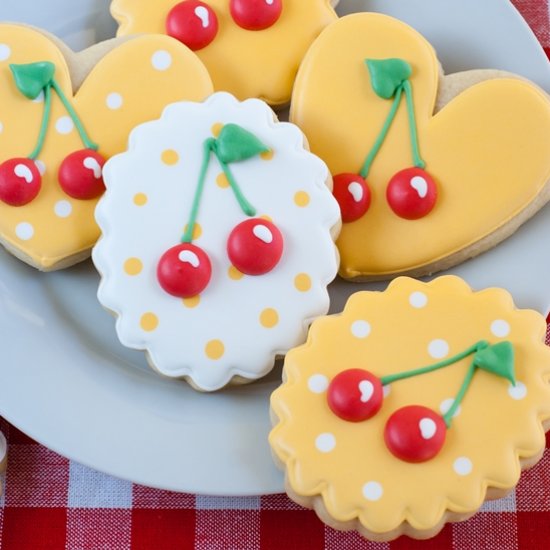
point(238, 323)
point(353, 464)
point(263, 63)
point(131, 84)
point(486, 150)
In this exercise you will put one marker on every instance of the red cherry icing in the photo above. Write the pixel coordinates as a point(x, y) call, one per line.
point(415, 433)
point(412, 193)
point(255, 246)
point(353, 195)
point(184, 270)
point(193, 23)
point(81, 174)
point(355, 395)
point(20, 181)
point(255, 15)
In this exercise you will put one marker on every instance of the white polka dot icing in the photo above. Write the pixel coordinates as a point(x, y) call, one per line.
point(517, 391)
point(318, 383)
point(64, 125)
point(418, 300)
point(63, 209)
point(463, 466)
point(438, 348)
point(24, 231)
point(161, 60)
point(114, 101)
point(360, 329)
point(325, 443)
point(500, 328)
point(373, 491)
point(264, 310)
point(5, 52)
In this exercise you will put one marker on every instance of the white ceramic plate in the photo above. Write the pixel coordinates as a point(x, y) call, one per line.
point(67, 382)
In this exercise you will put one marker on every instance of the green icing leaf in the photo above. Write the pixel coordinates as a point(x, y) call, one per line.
point(387, 75)
point(235, 144)
point(497, 359)
point(32, 78)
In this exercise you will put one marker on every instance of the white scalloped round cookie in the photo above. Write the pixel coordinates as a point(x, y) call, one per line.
point(233, 330)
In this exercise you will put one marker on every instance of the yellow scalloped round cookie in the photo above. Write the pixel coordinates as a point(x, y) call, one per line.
point(473, 145)
point(484, 402)
point(248, 63)
point(112, 87)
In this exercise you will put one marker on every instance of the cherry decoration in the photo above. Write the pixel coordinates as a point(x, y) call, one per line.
point(184, 270)
point(412, 193)
point(20, 181)
point(255, 246)
point(355, 395)
point(352, 194)
point(81, 174)
point(255, 15)
point(193, 23)
point(415, 433)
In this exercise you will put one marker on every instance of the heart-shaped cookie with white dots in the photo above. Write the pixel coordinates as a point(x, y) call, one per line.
point(62, 115)
point(429, 170)
point(252, 48)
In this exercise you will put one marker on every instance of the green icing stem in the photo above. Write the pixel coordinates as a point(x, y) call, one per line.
point(45, 122)
point(382, 135)
point(88, 143)
point(436, 366)
point(448, 416)
point(418, 162)
point(188, 235)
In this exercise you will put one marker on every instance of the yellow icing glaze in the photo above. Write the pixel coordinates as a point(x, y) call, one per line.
point(487, 148)
point(492, 430)
point(127, 70)
point(246, 63)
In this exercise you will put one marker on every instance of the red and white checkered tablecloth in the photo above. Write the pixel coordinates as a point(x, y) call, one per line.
point(53, 503)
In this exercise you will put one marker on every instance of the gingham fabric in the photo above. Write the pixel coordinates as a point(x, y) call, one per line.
point(52, 503)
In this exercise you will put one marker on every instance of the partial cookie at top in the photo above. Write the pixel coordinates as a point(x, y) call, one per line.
point(429, 170)
point(86, 103)
point(218, 240)
point(412, 407)
point(266, 41)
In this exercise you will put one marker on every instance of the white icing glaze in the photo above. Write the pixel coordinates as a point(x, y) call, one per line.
point(231, 310)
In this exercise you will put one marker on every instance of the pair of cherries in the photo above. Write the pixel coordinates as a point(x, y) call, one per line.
point(80, 176)
point(195, 23)
point(254, 247)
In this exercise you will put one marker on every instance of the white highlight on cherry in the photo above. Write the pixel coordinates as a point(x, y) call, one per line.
point(438, 348)
point(114, 101)
point(428, 428)
point(447, 404)
point(161, 60)
point(202, 13)
point(22, 171)
point(360, 329)
point(189, 257)
point(91, 164)
point(418, 300)
point(41, 166)
point(5, 52)
point(500, 328)
point(356, 191)
point(463, 466)
point(63, 209)
point(263, 233)
point(64, 125)
point(517, 392)
point(24, 231)
point(325, 442)
point(367, 389)
point(318, 383)
point(420, 185)
point(373, 491)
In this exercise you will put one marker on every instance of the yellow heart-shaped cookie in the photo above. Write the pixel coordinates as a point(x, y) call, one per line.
point(247, 63)
point(131, 82)
point(485, 139)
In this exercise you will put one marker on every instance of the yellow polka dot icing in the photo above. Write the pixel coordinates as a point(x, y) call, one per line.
point(346, 469)
point(484, 141)
point(241, 321)
point(123, 89)
point(262, 63)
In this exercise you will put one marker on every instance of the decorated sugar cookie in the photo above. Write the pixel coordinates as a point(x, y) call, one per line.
point(218, 240)
point(429, 170)
point(252, 48)
point(58, 125)
point(412, 407)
